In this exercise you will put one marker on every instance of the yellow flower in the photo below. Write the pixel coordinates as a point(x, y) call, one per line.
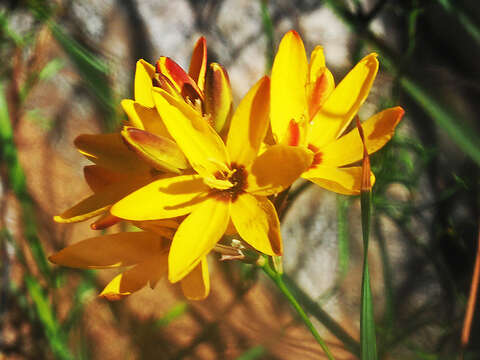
point(308, 110)
point(145, 254)
point(230, 184)
point(119, 170)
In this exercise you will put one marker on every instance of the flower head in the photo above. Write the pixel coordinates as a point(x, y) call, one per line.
point(230, 181)
point(308, 110)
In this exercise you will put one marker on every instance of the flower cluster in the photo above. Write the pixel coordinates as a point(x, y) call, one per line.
point(189, 172)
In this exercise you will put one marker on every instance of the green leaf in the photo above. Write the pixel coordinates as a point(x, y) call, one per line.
point(46, 315)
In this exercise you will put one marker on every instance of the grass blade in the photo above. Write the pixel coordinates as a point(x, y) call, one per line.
point(368, 343)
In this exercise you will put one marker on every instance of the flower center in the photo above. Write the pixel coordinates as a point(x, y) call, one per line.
point(238, 178)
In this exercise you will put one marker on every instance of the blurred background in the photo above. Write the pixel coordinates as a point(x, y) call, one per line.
point(66, 64)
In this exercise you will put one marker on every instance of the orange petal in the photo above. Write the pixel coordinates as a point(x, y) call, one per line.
point(143, 83)
point(256, 221)
point(249, 124)
point(343, 103)
point(289, 77)
point(198, 63)
point(131, 280)
point(277, 168)
point(122, 249)
point(98, 203)
point(378, 131)
point(345, 181)
point(98, 177)
point(110, 151)
point(218, 97)
point(105, 221)
point(196, 285)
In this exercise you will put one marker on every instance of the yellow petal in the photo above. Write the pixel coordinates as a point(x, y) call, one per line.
point(143, 83)
point(320, 82)
point(98, 203)
point(160, 152)
point(341, 106)
point(196, 285)
point(256, 221)
point(144, 118)
point(345, 181)
point(378, 131)
point(218, 97)
point(164, 198)
point(198, 63)
point(110, 151)
point(289, 77)
point(122, 249)
point(249, 124)
point(131, 280)
point(277, 168)
point(128, 106)
point(196, 236)
point(202, 146)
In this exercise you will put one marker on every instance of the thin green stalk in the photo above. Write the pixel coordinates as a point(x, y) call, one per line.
point(367, 323)
point(278, 280)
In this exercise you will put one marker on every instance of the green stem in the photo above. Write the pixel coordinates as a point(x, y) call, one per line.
point(278, 280)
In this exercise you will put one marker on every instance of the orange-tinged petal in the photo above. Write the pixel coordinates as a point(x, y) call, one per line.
point(218, 97)
point(108, 251)
point(144, 118)
point(249, 124)
point(320, 82)
point(105, 221)
point(378, 131)
point(131, 280)
point(277, 168)
point(196, 285)
point(184, 84)
point(160, 152)
point(143, 83)
point(98, 177)
point(164, 227)
point(196, 236)
point(110, 151)
point(345, 181)
point(164, 198)
point(98, 203)
point(256, 221)
point(198, 63)
point(202, 146)
point(289, 77)
point(343, 103)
